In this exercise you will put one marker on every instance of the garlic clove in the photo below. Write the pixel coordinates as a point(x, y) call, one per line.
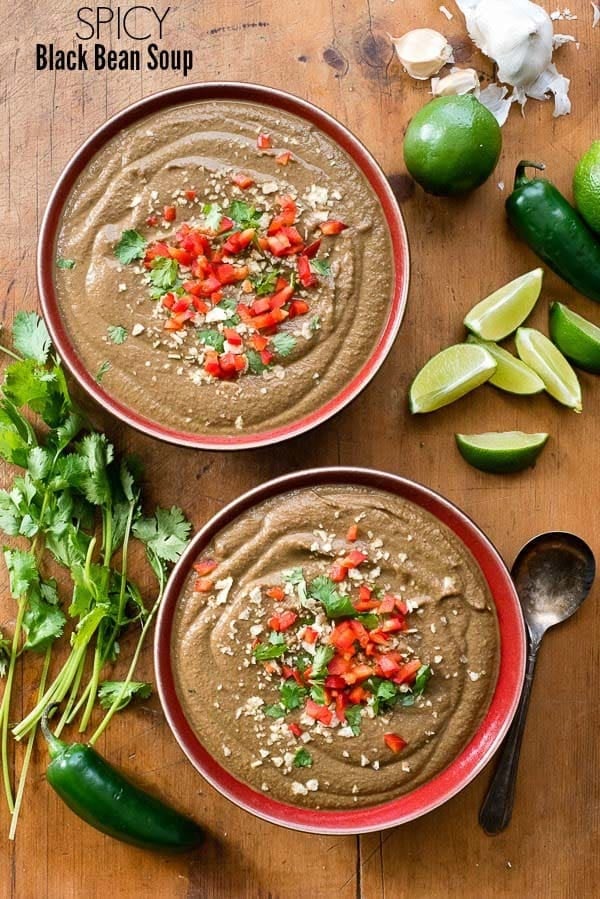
point(459, 81)
point(423, 52)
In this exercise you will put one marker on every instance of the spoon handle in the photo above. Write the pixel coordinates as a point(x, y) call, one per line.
point(496, 809)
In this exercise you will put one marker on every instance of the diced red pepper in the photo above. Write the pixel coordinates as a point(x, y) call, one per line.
point(226, 224)
point(407, 672)
point(266, 357)
point(283, 621)
point(335, 682)
point(401, 606)
point(205, 566)
point(263, 141)
point(341, 701)
point(387, 667)
point(211, 363)
point(232, 336)
point(276, 593)
point(278, 244)
point(393, 625)
point(170, 213)
point(360, 632)
point(172, 324)
point(358, 673)
point(378, 637)
point(318, 712)
point(394, 742)
point(152, 220)
point(358, 694)
point(332, 227)
point(182, 256)
point(203, 585)
point(310, 635)
point(181, 304)
point(238, 241)
point(154, 251)
point(387, 605)
point(269, 319)
point(199, 305)
point(298, 307)
point(339, 665)
point(338, 572)
point(352, 533)
point(305, 274)
point(312, 249)
point(210, 285)
point(230, 274)
point(242, 181)
point(343, 637)
point(283, 158)
point(190, 194)
point(295, 729)
point(168, 301)
point(354, 559)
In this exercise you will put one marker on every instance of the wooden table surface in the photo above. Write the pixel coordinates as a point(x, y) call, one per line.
point(338, 54)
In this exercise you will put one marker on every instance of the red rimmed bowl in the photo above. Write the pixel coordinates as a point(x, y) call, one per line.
point(475, 755)
point(274, 99)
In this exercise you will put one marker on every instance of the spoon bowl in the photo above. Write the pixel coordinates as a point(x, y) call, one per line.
point(553, 574)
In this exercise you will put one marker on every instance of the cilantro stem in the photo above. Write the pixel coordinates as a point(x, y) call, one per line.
point(64, 719)
point(5, 705)
point(93, 684)
point(129, 677)
point(10, 353)
point(30, 743)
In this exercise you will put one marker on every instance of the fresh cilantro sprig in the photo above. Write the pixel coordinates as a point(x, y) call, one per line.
point(81, 505)
point(336, 605)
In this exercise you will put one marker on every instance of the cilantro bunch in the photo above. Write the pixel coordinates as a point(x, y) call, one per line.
point(76, 508)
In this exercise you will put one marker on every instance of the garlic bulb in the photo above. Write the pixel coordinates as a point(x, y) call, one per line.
point(459, 81)
point(519, 36)
point(423, 52)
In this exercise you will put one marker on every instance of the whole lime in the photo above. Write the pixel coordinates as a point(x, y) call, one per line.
point(452, 145)
point(586, 186)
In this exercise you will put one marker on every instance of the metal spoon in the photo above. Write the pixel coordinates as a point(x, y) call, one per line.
point(553, 574)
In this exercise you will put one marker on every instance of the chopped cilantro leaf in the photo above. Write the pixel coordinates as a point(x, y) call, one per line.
point(292, 695)
point(423, 675)
point(212, 338)
point(274, 711)
point(255, 363)
point(243, 214)
point(317, 694)
point(109, 690)
point(265, 651)
point(265, 282)
point(131, 246)
point(336, 605)
point(368, 620)
point(315, 323)
point(321, 267)
point(213, 214)
point(61, 262)
point(302, 661)
point(163, 273)
point(296, 577)
point(30, 336)
point(104, 367)
point(283, 343)
point(353, 715)
point(303, 759)
point(117, 334)
point(385, 693)
point(322, 657)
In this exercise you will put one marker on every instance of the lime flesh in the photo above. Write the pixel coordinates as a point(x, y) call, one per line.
point(501, 452)
point(498, 315)
point(576, 337)
point(537, 351)
point(450, 375)
point(511, 375)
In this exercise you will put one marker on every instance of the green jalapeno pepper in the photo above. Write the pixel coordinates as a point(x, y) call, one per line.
point(545, 220)
point(100, 795)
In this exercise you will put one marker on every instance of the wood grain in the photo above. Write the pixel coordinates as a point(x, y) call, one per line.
point(338, 54)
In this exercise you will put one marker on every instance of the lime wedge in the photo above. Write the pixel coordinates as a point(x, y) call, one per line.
point(576, 337)
point(501, 452)
point(504, 310)
point(449, 375)
point(511, 374)
point(537, 351)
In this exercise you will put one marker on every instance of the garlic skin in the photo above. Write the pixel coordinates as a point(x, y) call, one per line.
point(423, 52)
point(519, 36)
point(458, 82)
